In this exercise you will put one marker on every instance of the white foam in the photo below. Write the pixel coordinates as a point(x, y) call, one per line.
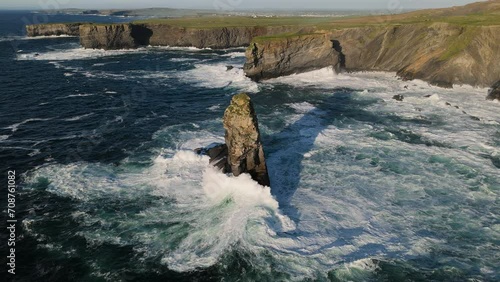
point(214, 107)
point(303, 107)
point(219, 206)
point(11, 38)
point(48, 37)
point(79, 117)
point(75, 54)
point(104, 64)
point(76, 96)
point(234, 55)
point(217, 76)
point(183, 59)
point(15, 127)
point(176, 48)
point(18, 37)
point(4, 137)
point(324, 77)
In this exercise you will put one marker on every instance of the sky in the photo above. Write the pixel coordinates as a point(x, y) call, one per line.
point(233, 4)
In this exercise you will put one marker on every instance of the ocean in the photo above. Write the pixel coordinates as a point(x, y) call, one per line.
point(363, 187)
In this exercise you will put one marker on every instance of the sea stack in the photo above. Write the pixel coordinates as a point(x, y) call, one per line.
point(245, 152)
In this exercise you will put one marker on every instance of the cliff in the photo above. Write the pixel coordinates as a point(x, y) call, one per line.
point(442, 54)
point(278, 56)
point(215, 38)
point(112, 36)
point(122, 36)
point(72, 29)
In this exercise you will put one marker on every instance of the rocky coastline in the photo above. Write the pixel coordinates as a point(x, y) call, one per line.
point(443, 54)
point(57, 29)
point(129, 35)
point(275, 57)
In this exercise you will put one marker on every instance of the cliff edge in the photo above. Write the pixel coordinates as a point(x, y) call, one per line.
point(442, 54)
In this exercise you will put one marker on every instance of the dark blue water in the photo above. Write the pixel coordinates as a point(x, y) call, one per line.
point(364, 188)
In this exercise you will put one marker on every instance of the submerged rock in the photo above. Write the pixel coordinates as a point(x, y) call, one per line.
point(494, 93)
point(398, 97)
point(245, 152)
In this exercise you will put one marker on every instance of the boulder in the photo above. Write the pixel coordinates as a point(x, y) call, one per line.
point(398, 97)
point(245, 152)
point(217, 154)
point(494, 93)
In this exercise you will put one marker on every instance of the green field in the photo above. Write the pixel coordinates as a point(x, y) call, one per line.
point(475, 14)
point(237, 21)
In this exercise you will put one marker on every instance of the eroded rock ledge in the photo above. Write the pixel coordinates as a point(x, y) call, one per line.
point(275, 56)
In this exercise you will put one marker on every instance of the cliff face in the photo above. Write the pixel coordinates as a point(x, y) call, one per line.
point(110, 36)
point(442, 54)
point(72, 29)
point(276, 57)
point(215, 38)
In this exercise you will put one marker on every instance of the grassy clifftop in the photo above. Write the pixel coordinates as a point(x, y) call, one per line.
point(236, 21)
point(480, 13)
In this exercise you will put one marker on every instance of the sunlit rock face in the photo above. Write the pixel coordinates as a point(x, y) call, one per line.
point(245, 152)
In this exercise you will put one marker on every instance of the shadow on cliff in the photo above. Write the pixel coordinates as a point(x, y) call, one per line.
point(292, 145)
point(141, 35)
point(338, 47)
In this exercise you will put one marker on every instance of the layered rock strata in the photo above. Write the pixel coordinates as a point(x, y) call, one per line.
point(57, 29)
point(245, 151)
point(439, 53)
point(111, 36)
point(277, 56)
point(123, 36)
